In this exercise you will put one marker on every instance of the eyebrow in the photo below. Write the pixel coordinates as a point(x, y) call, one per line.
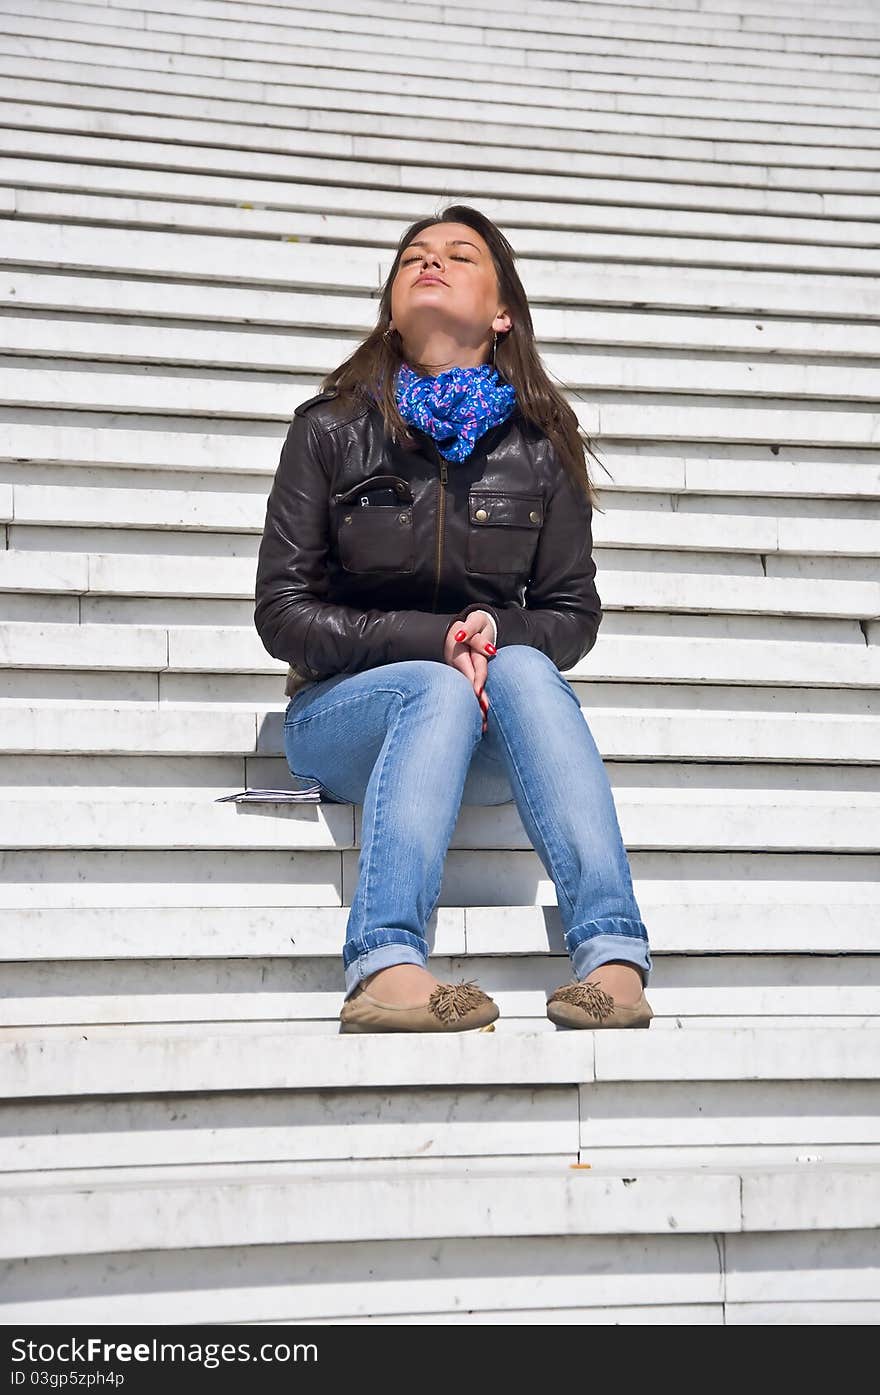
point(453, 242)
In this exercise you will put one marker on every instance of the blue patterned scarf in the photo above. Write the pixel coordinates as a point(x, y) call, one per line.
point(455, 407)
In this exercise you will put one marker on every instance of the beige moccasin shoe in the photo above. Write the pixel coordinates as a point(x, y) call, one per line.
point(587, 1005)
point(452, 1007)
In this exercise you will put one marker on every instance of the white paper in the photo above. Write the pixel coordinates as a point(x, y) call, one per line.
point(308, 794)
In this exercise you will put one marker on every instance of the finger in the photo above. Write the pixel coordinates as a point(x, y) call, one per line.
point(476, 633)
point(481, 669)
point(455, 647)
point(481, 641)
point(464, 663)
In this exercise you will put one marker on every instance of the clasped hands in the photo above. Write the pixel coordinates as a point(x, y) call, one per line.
point(471, 654)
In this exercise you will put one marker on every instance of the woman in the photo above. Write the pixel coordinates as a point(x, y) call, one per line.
point(426, 571)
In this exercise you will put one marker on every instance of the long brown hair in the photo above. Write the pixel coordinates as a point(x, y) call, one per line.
point(368, 373)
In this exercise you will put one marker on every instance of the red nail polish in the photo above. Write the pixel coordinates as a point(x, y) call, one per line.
point(461, 634)
point(490, 649)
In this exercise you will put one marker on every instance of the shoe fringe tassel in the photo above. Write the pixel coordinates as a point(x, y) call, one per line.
point(451, 1001)
point(589, 996)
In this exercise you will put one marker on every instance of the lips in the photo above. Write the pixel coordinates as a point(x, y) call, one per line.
point(429, 280)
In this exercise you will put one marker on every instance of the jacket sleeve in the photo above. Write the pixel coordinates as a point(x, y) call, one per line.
point(563, 610)
point(293, 618)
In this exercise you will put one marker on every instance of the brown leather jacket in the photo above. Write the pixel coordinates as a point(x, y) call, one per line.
point(344, 586)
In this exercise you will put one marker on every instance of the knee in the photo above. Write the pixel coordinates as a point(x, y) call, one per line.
point(450, 694)
point(522, 659)
point(440, 682)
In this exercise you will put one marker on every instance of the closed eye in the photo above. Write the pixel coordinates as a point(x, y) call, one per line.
point(454, 259)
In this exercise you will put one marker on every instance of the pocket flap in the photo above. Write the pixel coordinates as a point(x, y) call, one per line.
point(401, 487)
point(513, 510)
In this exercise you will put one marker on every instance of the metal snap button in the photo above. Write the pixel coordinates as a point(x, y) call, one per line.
point(403, 517)
point(481, 513)
point(535, 516)
point(347, 518)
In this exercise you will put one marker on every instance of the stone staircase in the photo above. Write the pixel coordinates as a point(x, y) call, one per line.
point(197, 206)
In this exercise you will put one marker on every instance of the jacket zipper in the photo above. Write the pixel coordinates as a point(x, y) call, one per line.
point(441, 516)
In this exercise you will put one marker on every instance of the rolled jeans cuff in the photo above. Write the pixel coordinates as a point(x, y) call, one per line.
point(379, 949)
point(596, 943)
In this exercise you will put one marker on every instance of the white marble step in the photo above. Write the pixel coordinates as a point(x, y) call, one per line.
point(537, 24)
point(801, 14)
point(643, 582)
point(753, 917)
point(159, 1058)
point(677, 524)
point(739, 472)
point(666, 544)
point(358, 106)
point(675, 371)
point(663, 11)
point(263, 695)
point(223, 1207)
point(231, 688)
point(802, 1149)
point(631, 416)
point(321, 51)
point(682, 519)
point(782, 1314)
point(536, 50)
point(796, 1277)
point(803, 259)
point(157, 729)
point(617, 328)
point(778, 658)
point(739, 816)
point(294, 987)
point(705, 1315)
point(297, 264)
point(702, 205)
point(319, 268)
point(742, 423)
point(61, 454)
point(324, 1027)
point(611, 1126)
point(125, 587)
point(378, 136)
point(549, 22)
point(168, 103)
point(689, 1124)
point(560, 55)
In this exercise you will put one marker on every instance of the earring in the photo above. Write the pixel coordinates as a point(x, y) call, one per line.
point(387, 332)
point(494, 344)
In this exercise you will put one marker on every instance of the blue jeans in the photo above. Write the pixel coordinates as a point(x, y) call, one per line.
point(405, 740)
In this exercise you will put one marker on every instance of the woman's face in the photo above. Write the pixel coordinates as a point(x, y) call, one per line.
point(452, 317)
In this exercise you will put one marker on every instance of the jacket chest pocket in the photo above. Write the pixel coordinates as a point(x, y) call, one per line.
point(374, 526)
point(503, 531)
